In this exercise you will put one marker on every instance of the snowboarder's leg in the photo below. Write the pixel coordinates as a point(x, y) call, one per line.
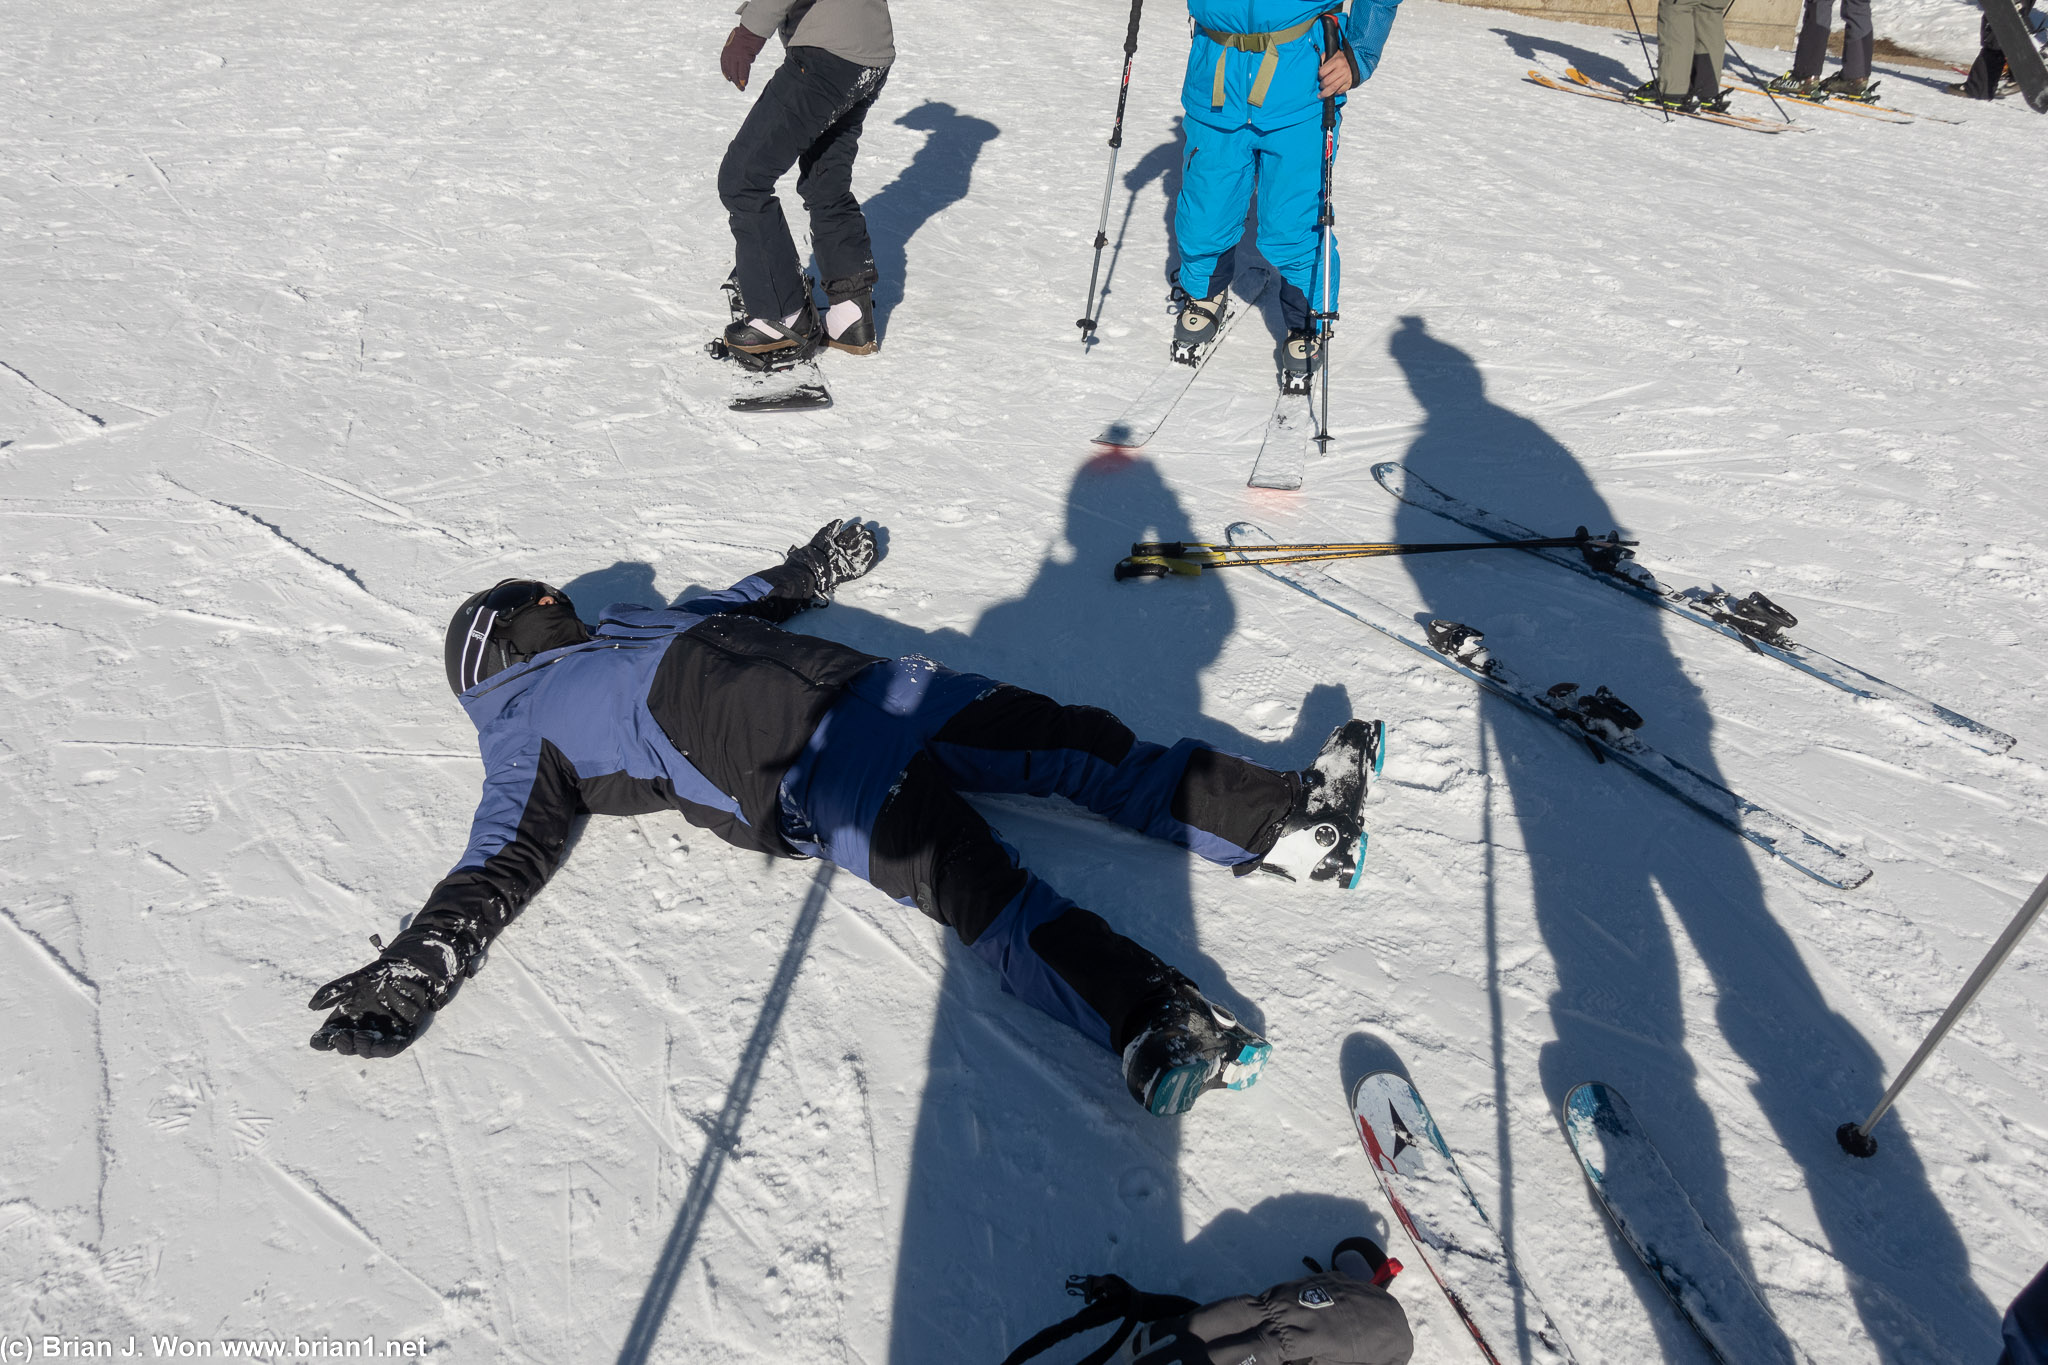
point(800, 102)
point(839, 231)
point(1217, 805)
point(1215, 195)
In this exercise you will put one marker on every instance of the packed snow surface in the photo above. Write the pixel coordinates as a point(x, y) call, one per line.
point(319, 317)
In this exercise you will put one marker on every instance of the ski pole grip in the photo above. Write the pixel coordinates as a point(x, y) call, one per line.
point(1131, 37)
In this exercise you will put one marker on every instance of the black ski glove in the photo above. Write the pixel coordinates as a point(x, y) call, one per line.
point(378, 1008)
point(840, 552)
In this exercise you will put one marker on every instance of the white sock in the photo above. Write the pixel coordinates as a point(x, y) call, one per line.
point(841, 316)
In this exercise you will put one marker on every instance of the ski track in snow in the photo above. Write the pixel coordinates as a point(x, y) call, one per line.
point(318, 321)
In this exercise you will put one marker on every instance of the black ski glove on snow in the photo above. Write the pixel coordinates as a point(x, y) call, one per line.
point(840, 552)
point(378, 1008)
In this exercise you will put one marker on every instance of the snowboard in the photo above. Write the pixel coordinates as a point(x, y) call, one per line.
point(2022, 57)
point(1653, 1214)
point(756, 386)
point(1451, 1233)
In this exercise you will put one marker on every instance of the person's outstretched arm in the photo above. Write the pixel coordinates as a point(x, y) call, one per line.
point(840, 552)
point(515, 844)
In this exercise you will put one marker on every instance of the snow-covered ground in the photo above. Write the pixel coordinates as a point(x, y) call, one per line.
point(317, 317)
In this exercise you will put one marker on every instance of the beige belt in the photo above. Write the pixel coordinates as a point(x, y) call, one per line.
point(1268, 43)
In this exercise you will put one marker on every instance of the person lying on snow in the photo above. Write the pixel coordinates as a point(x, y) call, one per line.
point(796, 746)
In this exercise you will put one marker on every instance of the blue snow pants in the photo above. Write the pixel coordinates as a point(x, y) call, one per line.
point(877, 790)
point(1221, 170)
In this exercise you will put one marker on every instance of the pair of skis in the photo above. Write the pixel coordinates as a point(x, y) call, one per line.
point(1578, 84)
point(1601, 720)
point(1754, 621)
point(1290, 430)
point(1649, 1208)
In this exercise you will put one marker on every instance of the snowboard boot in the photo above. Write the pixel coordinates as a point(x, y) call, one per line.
point(775, 343)
point(1323, 837)
point(1195, 330)
point(850, 315)
point(1186, 1044)
point(1299, 356)
point(1798, 87)
point(1841, 87)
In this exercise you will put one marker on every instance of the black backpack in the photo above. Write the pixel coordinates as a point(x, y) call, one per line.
point(1328, 1318)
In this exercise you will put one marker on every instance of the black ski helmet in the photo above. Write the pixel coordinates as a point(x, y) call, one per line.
point(477, 644)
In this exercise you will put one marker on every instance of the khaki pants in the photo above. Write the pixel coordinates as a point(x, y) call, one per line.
point(1686, 27)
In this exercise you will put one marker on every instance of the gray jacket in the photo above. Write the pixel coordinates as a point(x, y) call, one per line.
point(857, 30)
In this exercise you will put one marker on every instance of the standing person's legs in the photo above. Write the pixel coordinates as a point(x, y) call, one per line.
point(801, 100)
point(1215, 195)
point(1859, 39)
point(839, 231)
point(1710, 40)
point(1676, 42)
point(1989, 68)
point(1811, 54)
point(1290, 201)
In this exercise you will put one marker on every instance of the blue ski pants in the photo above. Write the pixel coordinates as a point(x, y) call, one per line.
point(877, 790)
point(1222, 169)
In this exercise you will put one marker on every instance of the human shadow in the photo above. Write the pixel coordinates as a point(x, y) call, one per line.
point(937, 176)
point(625, 581)
point(1167, 163)
point(1163, 163)
point(1244, 1251)
point(1611, 865)
point(1601, 68)
point(722, 1138)
point(1029, 1160)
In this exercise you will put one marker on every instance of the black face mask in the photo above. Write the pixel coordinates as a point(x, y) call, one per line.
point(536, 630)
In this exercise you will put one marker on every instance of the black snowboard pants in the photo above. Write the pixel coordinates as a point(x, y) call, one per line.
point(808, 116)
point(1858, 39)
point(1989, 68)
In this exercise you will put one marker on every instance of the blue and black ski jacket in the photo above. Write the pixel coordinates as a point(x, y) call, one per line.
point(698, 708)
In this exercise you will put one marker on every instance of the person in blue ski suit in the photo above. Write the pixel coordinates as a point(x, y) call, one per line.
point(1258, 72)
point(797, 746)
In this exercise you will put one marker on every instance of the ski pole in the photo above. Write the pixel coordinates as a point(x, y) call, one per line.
point(1761, 84)
point(1855, 1137)
point(1655, 79)
point(1086, 322)
point(1157, 559)
point(1326, 223)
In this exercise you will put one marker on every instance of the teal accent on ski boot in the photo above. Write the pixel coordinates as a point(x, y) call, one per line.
point(1188, 1045)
